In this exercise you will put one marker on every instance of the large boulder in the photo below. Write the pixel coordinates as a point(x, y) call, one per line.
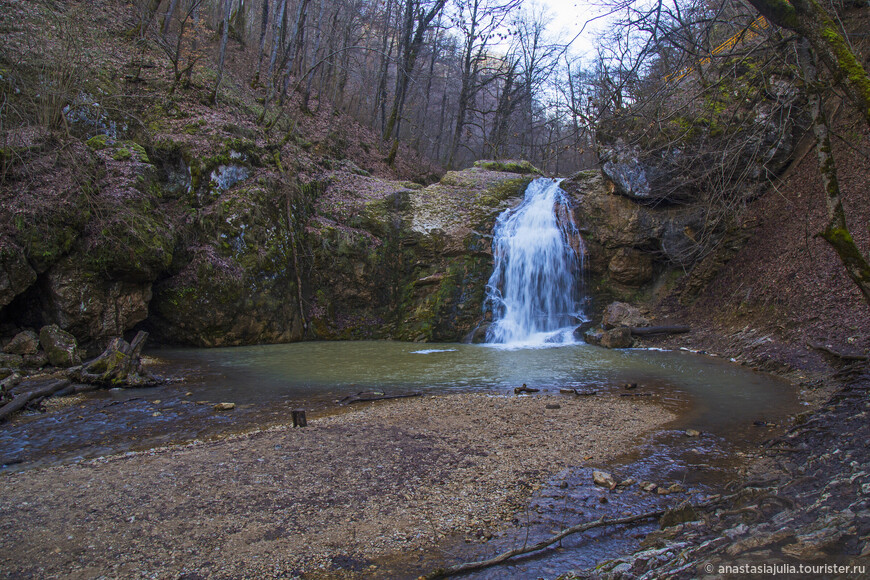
point(618, 314)
point(616, 224)
point(60, 346)
point(408, 262)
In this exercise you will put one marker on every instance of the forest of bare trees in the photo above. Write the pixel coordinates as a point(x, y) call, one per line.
point(456, 80)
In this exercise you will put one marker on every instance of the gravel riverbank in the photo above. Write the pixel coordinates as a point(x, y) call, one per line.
point(329, 500)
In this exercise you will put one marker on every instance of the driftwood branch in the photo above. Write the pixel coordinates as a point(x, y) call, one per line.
point(480, 565)
point(373, 396)
point(503, 557)
point(650, 330)
point(21, 400)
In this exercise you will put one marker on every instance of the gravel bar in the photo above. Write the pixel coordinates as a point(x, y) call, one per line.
point(328, 500)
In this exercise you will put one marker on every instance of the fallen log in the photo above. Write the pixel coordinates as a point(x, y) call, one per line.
point(21, 400)
point(650, 330)
point(367, 397)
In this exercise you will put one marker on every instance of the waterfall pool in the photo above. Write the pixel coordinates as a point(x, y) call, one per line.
point(711, 393)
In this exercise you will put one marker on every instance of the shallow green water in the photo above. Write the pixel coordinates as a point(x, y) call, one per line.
point(713, 391)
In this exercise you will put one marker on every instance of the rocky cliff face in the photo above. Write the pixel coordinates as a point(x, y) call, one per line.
point(402, 261)
point(213, 242)
point(635, 249)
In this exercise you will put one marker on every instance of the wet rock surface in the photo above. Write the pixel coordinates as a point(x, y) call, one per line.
point(804, 504)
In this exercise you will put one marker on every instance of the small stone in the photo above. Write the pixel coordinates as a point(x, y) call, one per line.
point(662, 491)
point(693, 433)
point(648, 486)
point(156, 414)
point(563, 485)
point(554, 406)
point(626, 482)
point(224, 406)
point(603, 479)
point(676, 488)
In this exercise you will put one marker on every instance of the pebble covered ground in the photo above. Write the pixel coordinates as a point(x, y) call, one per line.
point(327, 500)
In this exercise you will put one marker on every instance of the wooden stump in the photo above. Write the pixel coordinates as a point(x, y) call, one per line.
point(299, 419)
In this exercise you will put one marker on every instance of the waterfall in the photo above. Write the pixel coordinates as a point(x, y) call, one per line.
point(536, 290)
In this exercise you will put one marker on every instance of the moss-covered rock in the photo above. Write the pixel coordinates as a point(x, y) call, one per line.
point(60, 346)
point(239, 286)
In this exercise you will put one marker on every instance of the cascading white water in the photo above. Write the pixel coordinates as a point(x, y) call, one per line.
point(535, 292)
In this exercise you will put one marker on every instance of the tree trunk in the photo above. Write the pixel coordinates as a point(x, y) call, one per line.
point(119, 365)
point(812, 21)
point(149, 9)
point(264, 25)
point(414, 33)
point(225, 35)
point(167, 18)
point(836, 232)
point(307, 94)
point(21, 401)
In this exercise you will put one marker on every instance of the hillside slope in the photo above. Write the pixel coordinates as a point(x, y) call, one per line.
point(785, 293)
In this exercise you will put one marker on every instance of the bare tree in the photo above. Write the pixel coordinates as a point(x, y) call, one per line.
point(417, 18)
point(225, 32)
point(479, 23)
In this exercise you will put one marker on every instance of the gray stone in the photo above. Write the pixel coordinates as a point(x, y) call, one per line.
point(60, 346)
point(603, 479)
point(623, 167)
point(25, 342)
